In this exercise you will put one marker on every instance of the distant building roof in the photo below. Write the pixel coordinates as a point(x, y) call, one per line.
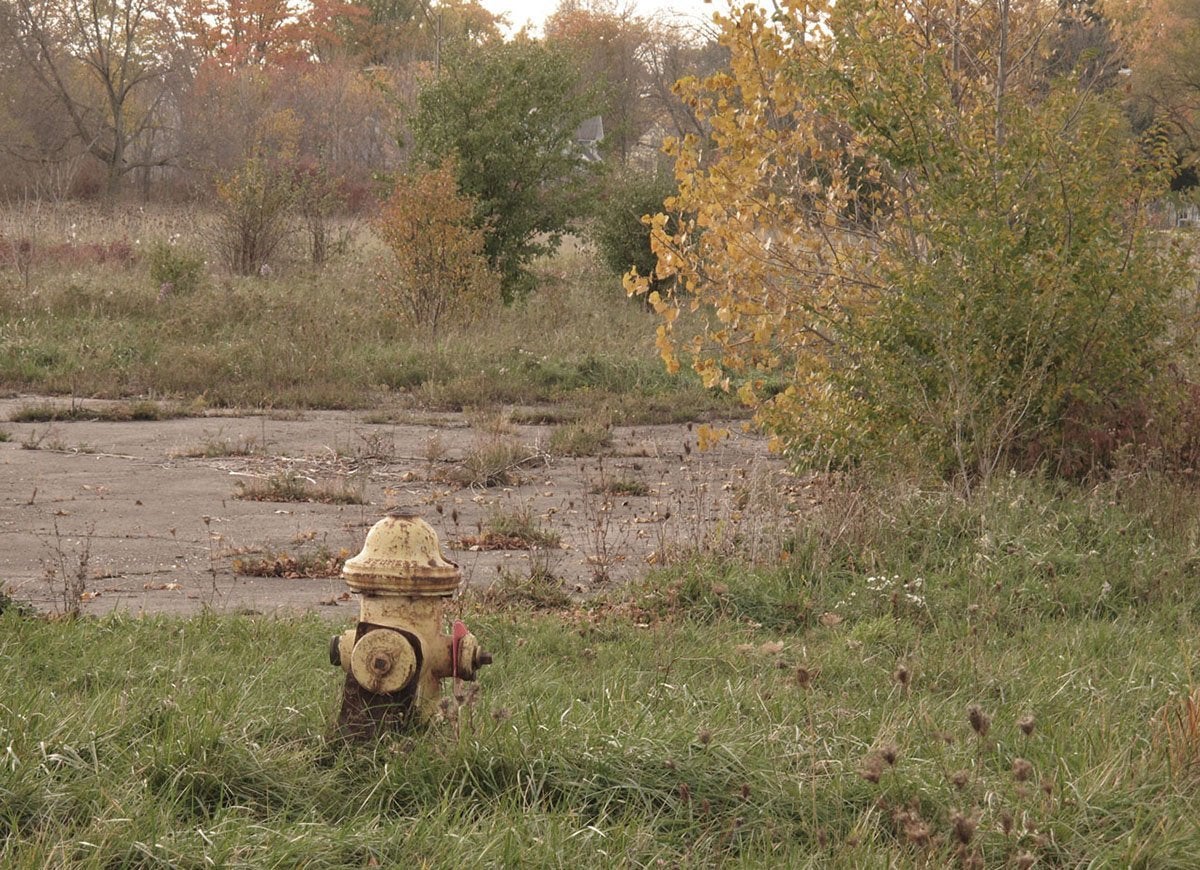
point(588, 136)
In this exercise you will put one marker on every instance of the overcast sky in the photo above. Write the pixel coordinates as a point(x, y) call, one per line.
point(520, 11)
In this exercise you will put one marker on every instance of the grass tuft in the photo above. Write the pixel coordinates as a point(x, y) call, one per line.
point(218, 445)
point(515, 529)
point(290, 486)
point(623, 486)
point(321, 562)
point(580, 439)
point(494, 461)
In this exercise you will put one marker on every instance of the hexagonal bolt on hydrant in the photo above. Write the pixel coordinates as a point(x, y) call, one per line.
point(396, 656)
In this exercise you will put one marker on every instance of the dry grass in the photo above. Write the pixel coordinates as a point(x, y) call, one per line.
point(121, 412)
point(290, 486)
point(319, 563)
point(512, 529)
point(102, 330)
point(580, 439)
point(1177, 734)
point(494, 462)
point(218, 445)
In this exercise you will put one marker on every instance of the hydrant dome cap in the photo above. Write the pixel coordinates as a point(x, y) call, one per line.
point(402, 555)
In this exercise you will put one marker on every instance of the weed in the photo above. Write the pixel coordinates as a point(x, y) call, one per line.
point(434, 449)
point(46, 412)
point(214, 446)
point(491, 422)
point(580, 439)
point(174, 270)
point(65, 570)
point(33, 439)
point(1177, 735)
point(624, 486)
point(516, 529)
point(291, 486)
point(544, 416)
point(375, 447)
point(8, 604)
point(538, 590)
point(5, 436)
point(494, 462)
point(321, 562)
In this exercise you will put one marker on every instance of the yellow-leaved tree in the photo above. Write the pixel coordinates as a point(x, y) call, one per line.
point(906, 236)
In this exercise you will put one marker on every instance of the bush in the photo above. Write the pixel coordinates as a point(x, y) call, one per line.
point(253, 206)
point(439, 270)
point(945, 271)
point(621, 239)
point(174, 269)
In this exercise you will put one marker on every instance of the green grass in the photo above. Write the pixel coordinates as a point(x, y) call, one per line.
point(716, 714)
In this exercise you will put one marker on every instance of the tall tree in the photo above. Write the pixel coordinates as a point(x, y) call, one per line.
point(1165, 79)
point(607, 42)
point(674, 52)
point(106, 64)
point(507, 114)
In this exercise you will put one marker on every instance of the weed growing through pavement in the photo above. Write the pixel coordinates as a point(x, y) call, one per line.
point(516, 528)
point(584, 438)
point(212, 538)
point(291, 486)
point(320, 562)
point(121, 412)
point(66, 570)
point(33, 439)
point(217, 445)
point(494, 461)
point(622, 486)
point(539, 589)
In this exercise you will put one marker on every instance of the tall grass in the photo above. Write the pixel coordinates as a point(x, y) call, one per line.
point(806, 714)
point(327, 338)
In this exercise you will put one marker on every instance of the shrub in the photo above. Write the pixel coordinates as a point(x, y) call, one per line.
point(253, 206)
point(621, 239)
point(439, 271)
point(174, 269)
point(318, 197)
point(946, 269)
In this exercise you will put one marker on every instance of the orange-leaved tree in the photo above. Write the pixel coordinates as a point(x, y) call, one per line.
point(439, 270)
point(903, 239)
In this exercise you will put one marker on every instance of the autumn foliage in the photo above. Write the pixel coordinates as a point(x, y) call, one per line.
point(438, 271)
point(906, 237)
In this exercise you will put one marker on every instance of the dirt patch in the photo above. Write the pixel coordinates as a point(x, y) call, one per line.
point(154, 504)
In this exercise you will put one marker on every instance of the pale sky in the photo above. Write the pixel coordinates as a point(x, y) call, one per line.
point(520, 11)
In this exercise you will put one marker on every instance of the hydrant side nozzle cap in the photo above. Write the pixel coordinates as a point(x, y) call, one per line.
point(402, 555)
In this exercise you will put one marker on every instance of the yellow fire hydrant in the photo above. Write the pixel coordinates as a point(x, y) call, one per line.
point(397, 655)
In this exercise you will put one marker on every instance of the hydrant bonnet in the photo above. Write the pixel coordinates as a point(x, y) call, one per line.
point(401, 556)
